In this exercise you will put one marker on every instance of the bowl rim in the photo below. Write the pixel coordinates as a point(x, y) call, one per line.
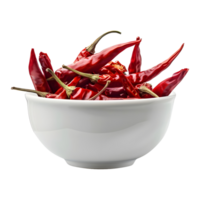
point(35, 98)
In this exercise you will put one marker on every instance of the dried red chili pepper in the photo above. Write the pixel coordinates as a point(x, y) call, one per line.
point(46, 63)
point(95, 62)
point(36, 75)
point(116, 63)
point(143, 94)
point(39, 93)
point(165, 87)
point(109, 92)
point(149, 74)
point(95, 78)
point(75, 92)
point(90, 50)
point(136, 59)
point(129, 88)
point(83, 82)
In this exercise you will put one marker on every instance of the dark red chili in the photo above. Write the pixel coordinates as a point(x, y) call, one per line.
point(136, 59)
point(73, 92)
point(109, 92)
point(90, 50)
point(108, 68)
point(46, 63)
point(95, 62)
point(143, 94)
point(36, 75)
point(149, 74)
point(101, 79)
point(165, 87)
point(128, 87)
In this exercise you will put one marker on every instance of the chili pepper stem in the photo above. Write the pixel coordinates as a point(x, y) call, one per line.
point(100, 92)
point(42, 94)
point(93, 77)
point(148, 91)
point(91, 48)
point(50, 79)
point(69, 89)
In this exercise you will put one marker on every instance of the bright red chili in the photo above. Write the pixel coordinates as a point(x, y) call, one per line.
point(128, 87)
point(73, 92)
point(136, 59)
point(95, 62)
point(149, 74)
point(165, 87)
point(90, 50)
point(36, 75)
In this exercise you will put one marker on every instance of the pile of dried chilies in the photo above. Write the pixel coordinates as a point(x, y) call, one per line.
point(96, 77)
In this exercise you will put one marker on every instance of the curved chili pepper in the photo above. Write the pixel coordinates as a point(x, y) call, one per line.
point(90, 50)
point(83, 82)
point(101, 79)
point(46, 63)
point(149, 74)
point(39, 93)
point(116, 63)
point(73, 92)
point(143, 94)
point(61, 92)
point(129, 88)
point(36, 75)
point(109, 91)
point(165, 87)
point(136, 59)
point(95, 62)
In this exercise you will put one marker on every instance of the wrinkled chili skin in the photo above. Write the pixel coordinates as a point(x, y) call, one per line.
point(83, 82)
point(165, 87)
point(128, 87)
point(46, 63)
point(83, 54)
point(136, 59)
point(36, 75)
point(93, 63)
point(143, 94)
point(109, 92)
point(116, 63)
point(149, 74)
point(78, 93)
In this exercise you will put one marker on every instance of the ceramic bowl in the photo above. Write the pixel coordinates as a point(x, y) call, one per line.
point(100, 134)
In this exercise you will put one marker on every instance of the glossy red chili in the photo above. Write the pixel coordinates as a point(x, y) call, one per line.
point(165, 87)
point(128, 87)
point(149, 74)
point(46, 63)
point(136, 59)
point(100, 79)
point(90, 50)
point(95, 62)
point(143, 94)
point(108, 68)
point(36, 75)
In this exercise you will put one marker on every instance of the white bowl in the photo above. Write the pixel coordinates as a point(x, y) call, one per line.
point(100, 134)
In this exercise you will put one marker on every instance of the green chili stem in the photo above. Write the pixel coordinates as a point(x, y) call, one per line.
point(93, 77)
point(148, 91)
point(42, 94)
point(100, 92)
point(68, 89)
point(91, 48)
point(50, 79)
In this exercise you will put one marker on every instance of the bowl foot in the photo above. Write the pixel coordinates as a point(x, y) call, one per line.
point(101, 165)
